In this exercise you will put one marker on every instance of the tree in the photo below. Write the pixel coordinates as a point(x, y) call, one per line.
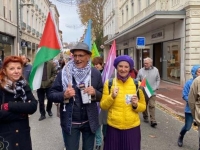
point(92, 9)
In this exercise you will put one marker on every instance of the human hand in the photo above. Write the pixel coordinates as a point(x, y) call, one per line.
point(90, 90)
point(134, 100)
point(115, 92)
point(70, 92)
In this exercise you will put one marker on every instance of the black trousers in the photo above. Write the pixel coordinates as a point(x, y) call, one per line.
point(41, 93)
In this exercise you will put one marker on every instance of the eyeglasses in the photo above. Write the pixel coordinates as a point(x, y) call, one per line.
point(79, 56)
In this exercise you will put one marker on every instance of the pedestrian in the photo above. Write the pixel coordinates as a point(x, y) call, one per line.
point(195, 71)
point(26, 67)
point(73, 87)
point(16, 101)
point(123, 106)
point(151, 73)
point(49, 74)
point(98, 64)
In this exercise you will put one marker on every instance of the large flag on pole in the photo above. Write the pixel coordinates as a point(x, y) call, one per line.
point(95, 52)
point(109, 68)
point(49, 47)
point(88, 35)
point(147, 87)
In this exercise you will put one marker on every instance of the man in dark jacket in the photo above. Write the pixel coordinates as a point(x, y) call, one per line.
point(49, 74)
point(27, 68)
point(78, 87)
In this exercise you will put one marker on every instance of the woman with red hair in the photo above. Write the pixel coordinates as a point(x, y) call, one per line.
point(16, 101)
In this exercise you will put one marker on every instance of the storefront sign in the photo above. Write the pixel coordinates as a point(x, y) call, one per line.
point(140, 42)
point(23, 43)
point(157, 35)
point(6, 39)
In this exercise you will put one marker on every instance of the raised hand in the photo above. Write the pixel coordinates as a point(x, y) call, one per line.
point(134, 100)
point(115, 92)
point(70, 92)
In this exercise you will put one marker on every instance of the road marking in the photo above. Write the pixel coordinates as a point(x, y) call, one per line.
point(169, 100)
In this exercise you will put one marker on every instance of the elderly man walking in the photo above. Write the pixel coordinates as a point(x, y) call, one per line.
point(152, 75)
point(73, 87)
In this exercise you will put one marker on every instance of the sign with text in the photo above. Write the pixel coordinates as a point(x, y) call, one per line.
point(140, 42)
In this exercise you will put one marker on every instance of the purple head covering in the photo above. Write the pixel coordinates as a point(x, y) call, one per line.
point(124, 58)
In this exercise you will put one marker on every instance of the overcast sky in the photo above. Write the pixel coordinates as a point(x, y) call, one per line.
point(68, 19)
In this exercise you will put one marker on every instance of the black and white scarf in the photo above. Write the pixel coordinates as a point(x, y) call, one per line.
point(81, 75)
point(16, 88)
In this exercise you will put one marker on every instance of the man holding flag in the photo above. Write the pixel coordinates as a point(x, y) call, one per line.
point(150, 78)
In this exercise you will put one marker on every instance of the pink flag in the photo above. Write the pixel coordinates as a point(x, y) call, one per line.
point(109, 68)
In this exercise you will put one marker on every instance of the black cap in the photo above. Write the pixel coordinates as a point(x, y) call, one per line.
point(81, 46)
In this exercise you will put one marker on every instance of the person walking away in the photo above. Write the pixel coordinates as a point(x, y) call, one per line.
point(195, 71)
point(98, 64)
point(26, 67)
point(152, 75)
point(124, 103)
point(16, 102)
point(73, 87)
point(49, 74)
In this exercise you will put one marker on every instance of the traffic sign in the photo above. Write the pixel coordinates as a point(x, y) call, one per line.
point(140, 42)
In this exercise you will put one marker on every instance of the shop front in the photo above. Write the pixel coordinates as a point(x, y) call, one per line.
point(6, 44)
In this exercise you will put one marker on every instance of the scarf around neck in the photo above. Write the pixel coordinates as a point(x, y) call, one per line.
point(16, 88)
point(123, 79)
point(81, 75)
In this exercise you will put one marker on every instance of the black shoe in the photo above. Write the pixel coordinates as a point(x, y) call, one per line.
point(180, 141)
point(50, 113)
point(42, 118)
point(146, 120)
point(153, 124)
point(98, 147)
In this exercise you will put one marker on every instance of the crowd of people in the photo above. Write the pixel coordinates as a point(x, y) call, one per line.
point(105, 114)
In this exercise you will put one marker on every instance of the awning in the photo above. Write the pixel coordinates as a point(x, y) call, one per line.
point(151, 22)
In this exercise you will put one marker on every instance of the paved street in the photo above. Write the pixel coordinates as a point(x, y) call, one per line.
point(46, 134)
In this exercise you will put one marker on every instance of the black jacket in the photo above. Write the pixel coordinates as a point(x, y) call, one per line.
point(57, 95)
point(14, 123)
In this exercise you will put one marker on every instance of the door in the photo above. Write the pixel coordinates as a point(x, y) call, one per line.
point(157, 57)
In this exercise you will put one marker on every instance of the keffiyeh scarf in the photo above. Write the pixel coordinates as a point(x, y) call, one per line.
point(81, 75)
point(16, 88)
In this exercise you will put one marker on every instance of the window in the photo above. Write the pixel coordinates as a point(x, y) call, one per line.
point(122, 16)
point(10, 14)
point(132, 8)
point(27, 18)
point(10, 8)
point(126, 12)
point(139, 6)
point(148, 2)
point(4, 11)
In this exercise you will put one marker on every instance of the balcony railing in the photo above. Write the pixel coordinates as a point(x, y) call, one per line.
point(33, 31)
point(37, 34)
point(23, 25)
point(28, 28)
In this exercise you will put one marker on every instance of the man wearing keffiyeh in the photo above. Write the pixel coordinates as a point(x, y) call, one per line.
point(77, 88)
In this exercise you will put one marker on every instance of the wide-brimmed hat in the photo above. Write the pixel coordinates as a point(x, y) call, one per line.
point(124, 58)
point(81, 46)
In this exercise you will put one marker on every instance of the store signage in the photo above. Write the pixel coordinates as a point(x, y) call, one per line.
point(157, 35)
point(5, 39)
point(23, 43)
point(140, 42)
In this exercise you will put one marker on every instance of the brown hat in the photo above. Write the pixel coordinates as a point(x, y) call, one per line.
point(81, 46)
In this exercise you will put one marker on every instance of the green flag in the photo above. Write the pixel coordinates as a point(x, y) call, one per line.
point(95, 52)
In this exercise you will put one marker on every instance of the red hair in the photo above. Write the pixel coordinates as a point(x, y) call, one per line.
point(7, 60)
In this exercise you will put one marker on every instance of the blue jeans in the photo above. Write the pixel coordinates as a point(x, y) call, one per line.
point(98, 137)
point(188, 123)
point(72, 141)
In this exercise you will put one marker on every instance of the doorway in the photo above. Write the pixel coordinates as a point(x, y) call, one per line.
point(157, 57)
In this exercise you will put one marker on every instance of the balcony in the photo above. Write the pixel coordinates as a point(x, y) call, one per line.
point(37, 34)
point(36, 7)
point(23, 26)
point(33, 31)
point(28, 28)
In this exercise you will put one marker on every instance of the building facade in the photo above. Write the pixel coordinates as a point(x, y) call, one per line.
point(170, 27)
point(8, 28)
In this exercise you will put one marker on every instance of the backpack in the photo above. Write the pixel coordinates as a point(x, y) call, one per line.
point(110, 81)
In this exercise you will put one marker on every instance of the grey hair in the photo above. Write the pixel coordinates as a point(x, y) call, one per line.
point(149, 59)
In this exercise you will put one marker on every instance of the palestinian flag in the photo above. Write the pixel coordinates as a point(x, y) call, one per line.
point(49, 47)
point(147, 88)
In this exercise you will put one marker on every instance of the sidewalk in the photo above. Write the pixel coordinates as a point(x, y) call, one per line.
point(169, 96)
